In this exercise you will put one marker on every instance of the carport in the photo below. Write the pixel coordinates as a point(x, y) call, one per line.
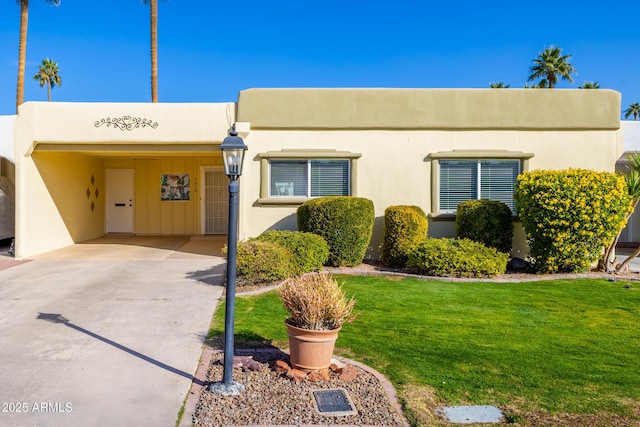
point(90, 170)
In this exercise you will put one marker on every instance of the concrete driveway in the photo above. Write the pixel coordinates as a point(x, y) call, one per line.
point(103, 342)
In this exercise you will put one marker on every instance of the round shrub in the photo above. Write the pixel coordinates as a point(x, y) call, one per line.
point(262, 262)
point(487, 222)
point(309, 251)
point(346, 223)
point(457, 258)
point(570, 215)
point(404, 227)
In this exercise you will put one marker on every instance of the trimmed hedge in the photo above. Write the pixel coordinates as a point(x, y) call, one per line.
point(404, 227)
point(346, 224)
point(309, 251)
point(457, 258)
point(487, 222)
point(570, 215)
point(262, 262)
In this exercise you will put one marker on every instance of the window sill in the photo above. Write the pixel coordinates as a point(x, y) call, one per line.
point(290, 201)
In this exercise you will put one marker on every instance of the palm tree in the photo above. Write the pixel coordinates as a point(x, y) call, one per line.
point(498, 85)
point(22, 46)
point(633, 109)
point(590, 85)
point(153, 5)
point(550, 64)
point(542, 84)
point(48, 75)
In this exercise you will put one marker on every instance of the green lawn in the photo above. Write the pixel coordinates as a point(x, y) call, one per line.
point(562, 346)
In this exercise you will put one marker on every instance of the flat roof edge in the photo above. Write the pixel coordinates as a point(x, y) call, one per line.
point(417, 109)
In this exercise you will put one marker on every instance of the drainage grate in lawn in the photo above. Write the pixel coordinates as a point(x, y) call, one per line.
point(335, 402)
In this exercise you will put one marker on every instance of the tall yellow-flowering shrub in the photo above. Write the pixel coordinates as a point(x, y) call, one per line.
point(570, 215)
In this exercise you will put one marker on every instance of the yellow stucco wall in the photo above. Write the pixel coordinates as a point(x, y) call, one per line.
point(64, 188)
point(395, 169)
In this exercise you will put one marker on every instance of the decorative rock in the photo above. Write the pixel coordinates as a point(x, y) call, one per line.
point(335, 368)
point(319, 375)
point(349, 373)
point(281, 366)
point(251, 365)
point(238, 361)
point(296, 375)
point(337, 363)
point(246, 363)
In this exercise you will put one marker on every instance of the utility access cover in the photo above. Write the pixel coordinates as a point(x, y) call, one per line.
point(470, 414)
point(334, 402)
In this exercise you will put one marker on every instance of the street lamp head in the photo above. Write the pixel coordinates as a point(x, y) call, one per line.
point(233, 149)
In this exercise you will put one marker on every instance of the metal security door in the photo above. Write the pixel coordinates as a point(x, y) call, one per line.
point(216, 201)
point(120, 200)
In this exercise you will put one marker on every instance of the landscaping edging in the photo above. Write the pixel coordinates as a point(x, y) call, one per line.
point(504, 278)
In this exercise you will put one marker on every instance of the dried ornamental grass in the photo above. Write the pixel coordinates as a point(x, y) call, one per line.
point(316, 301)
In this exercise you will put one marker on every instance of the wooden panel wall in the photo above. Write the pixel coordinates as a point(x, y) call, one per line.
point(164, 217)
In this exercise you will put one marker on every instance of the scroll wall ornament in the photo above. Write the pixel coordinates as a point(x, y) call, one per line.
point(126, 122)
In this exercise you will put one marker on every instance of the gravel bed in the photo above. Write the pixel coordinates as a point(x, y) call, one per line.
point(271, 398)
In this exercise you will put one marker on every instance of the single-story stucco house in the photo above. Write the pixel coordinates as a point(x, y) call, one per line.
point(83, 170)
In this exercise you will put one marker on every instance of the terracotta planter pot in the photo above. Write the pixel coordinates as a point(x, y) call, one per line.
point(310, 350)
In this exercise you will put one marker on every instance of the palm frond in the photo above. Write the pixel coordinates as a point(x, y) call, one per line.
point(634, 109)
point(633, 184)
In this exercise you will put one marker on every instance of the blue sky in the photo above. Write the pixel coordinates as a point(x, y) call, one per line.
point(208, 51)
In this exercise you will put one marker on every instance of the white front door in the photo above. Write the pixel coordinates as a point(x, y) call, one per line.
point(120, 200)
point(215, 201)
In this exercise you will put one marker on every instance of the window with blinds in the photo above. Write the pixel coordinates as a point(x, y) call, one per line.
point(308, 178)
point(462, 180)
point(289, 178)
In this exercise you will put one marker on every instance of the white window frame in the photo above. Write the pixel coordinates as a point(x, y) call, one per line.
point(469, 155)
point(309, 176)
point(479, 181)
point(307, 155)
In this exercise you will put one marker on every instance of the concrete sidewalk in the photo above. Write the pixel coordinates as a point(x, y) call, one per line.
point(109, 342)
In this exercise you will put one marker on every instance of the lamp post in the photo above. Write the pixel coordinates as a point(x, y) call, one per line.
point(233, 149)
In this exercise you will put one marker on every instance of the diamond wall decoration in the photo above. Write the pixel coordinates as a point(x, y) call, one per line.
point(92, 191)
